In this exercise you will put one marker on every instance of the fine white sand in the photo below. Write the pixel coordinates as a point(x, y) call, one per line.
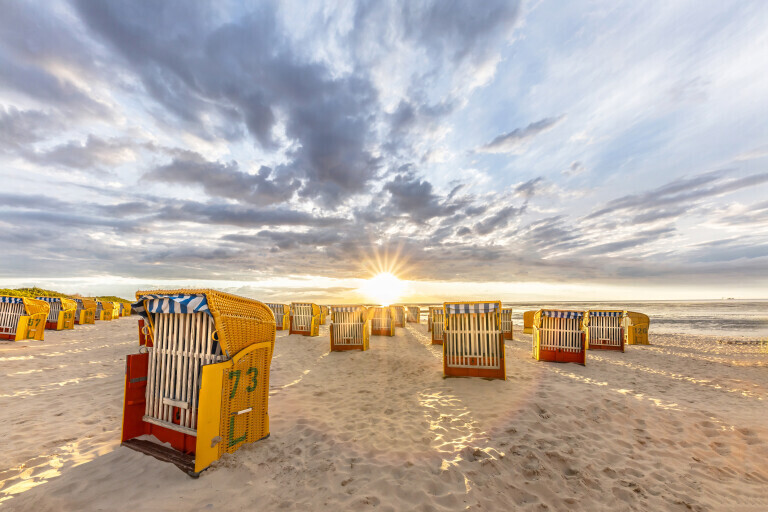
point(679, 425)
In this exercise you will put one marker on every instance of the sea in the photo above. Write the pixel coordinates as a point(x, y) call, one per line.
point(748, 318)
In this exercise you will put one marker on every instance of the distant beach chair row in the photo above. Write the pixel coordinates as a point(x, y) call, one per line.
point(566, 335)
point(23, 318)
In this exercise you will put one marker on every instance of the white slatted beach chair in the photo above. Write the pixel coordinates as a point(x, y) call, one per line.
point(305, 319)
point(558, 336)
point(413, 314)
point(437, 325)
point(61, 314)
point(507, 328)
point(398, 313)
point(605, 329)
point(22, 318)
point(202, 384)
point(350, 328)
point(636, 328)
point(473, 344)
point(282, 315)
point(382, 321)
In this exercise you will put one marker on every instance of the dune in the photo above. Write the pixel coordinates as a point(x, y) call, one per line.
point(677, 425)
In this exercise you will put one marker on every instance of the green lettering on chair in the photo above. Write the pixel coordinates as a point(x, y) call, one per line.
point(236, 375)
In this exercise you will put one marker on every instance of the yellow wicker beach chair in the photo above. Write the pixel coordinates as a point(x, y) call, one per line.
point(350, 327)
point(201, 383)
point(282, 316)
point(604, 329)
point(305, 319)
point(22, 318)
point(528, 322)
point(61, 313)
point(473, 344)
point(413, 314)
point(558, 335)
point(85, 312)
point(382, 320)
point(636, 328)
point(323, 314)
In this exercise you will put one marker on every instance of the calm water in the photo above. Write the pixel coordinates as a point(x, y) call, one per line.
point(728, 318)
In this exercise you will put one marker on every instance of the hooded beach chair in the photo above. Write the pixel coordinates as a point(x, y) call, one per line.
point(350, 328)
point(636, 328)
point(202, 386)
point(323, 314)
point(507, 329)
point(61, 313)
point(305, 319)
point(282, 315)
point(398, 313)
point(473, 344)
point(413, 314)
point(104, 310)
point(437, 325)
point(85, 312)
point(558, 336)
point(22, 318)
point(605, 329)
point(382, 321)
point(528, 322)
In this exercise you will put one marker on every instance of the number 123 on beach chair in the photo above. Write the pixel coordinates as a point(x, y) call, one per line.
point(202, 383)
point(559, 336)
point(473, 343)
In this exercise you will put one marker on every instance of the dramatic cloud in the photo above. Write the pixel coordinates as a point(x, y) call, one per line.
point(249, 142)
point(516, 140)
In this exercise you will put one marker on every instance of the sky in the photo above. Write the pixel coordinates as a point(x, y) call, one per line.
point(522, 151)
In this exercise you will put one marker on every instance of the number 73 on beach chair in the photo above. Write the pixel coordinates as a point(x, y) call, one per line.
point(201, 382)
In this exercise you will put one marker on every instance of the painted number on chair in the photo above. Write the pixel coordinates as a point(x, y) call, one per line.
point(253, 373)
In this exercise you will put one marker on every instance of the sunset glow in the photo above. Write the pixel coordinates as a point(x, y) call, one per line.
point(384, 288)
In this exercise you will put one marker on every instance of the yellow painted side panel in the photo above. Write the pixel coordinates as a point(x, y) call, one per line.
point(208, 415)
point(244, 398)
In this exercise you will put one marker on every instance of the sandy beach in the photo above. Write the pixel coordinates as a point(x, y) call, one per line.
point(678, 425)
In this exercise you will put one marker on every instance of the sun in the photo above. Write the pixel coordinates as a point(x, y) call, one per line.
point(384, 288)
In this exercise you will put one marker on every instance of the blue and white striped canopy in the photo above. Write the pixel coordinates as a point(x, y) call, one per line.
point(606, 313)
point(12, 300)
point(52, 300)
point(562, 314)
point(176, 303)
point(437, 312)
point(480, 307)
point(79, 301)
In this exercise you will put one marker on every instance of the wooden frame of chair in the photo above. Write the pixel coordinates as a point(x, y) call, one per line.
point(350, 328)
point(188, 387)
point(382, 321)
point(473, 344)
point(438, 319)
point(558, 336)
point(305, 319)
point(507, 327)
point(604, 329)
